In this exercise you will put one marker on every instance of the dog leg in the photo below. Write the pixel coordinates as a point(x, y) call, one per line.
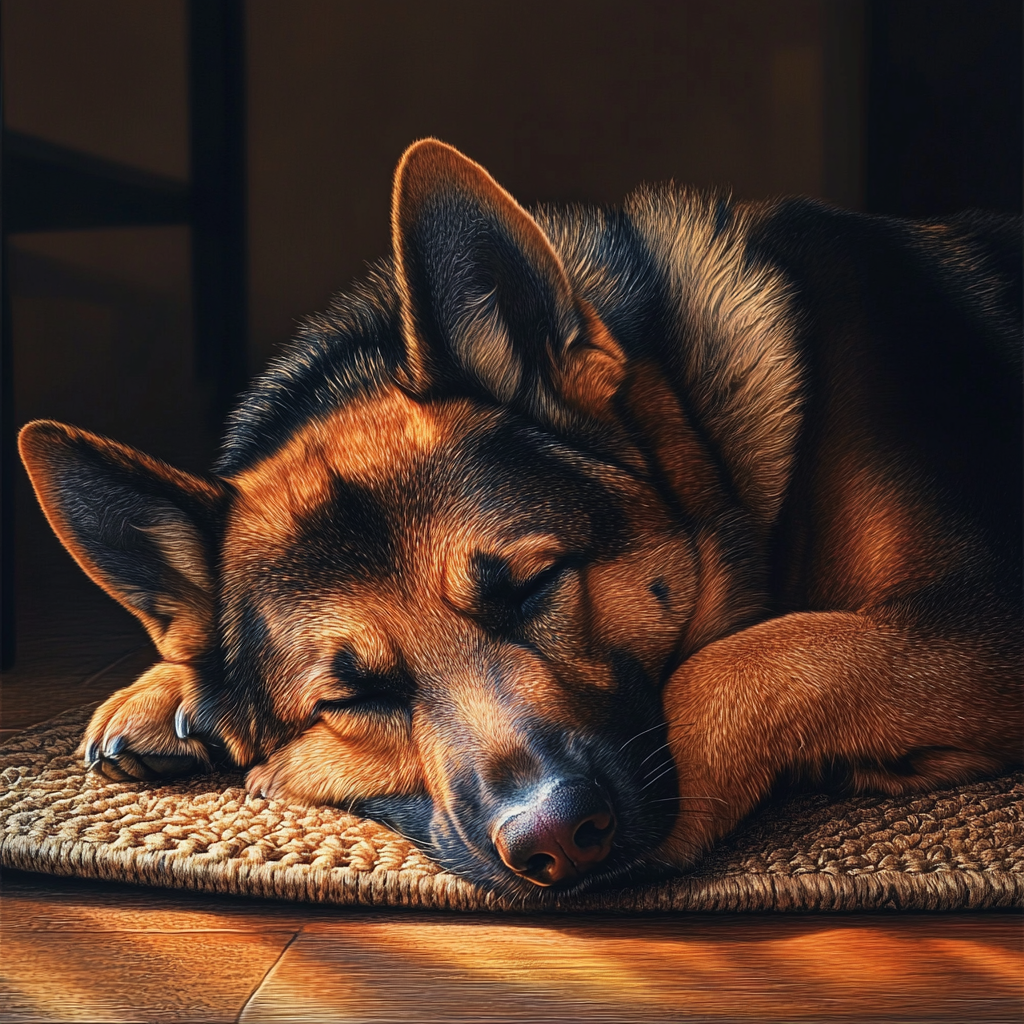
point(806, 691)
point(337, 764)
point(144, 731)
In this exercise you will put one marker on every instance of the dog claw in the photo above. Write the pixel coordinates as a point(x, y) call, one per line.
point(182, 724)
point(115, 746)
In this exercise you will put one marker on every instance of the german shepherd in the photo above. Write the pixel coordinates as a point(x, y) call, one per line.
point(567, 533)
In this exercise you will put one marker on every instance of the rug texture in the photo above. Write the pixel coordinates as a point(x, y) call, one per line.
point(951, 849)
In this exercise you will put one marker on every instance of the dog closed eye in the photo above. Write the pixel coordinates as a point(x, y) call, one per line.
point(532, 592)
point(363, 690)
point(507, 602)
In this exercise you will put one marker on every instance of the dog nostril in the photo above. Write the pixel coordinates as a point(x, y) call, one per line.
point(594, 831)
point(543, 869)
point(558, 837)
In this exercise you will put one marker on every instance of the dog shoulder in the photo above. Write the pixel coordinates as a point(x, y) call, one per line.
point(730, 336)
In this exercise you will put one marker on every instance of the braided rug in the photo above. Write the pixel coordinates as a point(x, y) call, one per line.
point(951, 849)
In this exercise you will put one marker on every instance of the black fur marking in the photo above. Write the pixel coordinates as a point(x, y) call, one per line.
point(659, 588)
point(408, 815)
point(244, 706)
point(521, 469)
point(349, 536)
point(723, 216)
point(507, 605)
point(108, 508)
point(368, 689)
point(352, 349)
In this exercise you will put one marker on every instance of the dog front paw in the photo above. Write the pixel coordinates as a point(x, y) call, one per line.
point(326, 766)
point(279, 778)
point(264, 780)
point(145, 731)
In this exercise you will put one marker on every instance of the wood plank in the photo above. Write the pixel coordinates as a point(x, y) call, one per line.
point(57, 687)
point(750, 968)
point(131, 976)
point(366, 965)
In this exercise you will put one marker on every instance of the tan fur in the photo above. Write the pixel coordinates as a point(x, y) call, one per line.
point(144, 713)
point(737, 357)
point(736, 477)
point(677, 448)
point(591, 371)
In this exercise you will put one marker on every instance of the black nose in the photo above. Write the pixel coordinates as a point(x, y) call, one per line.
point(558, 835)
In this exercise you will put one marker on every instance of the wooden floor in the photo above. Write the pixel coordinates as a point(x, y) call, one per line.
point(95, 952)
point(89, 951)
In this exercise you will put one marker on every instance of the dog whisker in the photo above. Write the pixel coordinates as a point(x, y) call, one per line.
point(643, 732)
point(652, 753)
point(673, 799)
point(670, 768)
point(660, 766)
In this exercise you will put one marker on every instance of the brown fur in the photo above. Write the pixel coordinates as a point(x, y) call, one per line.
point(384, 609)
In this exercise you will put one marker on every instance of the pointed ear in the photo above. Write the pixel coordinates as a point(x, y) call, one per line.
point(485, 299)
point(148, 534)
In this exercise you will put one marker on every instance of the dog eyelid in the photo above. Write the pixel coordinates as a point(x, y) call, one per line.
point(348, 669)
point(345, 666)
point(379, 703)
point(365, 688)
point(498, 584)
point(540, 585)
point(540, 581)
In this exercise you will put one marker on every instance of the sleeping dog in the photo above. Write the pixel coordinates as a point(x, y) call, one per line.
point(564, 535)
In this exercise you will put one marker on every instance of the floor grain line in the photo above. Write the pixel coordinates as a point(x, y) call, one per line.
point(262, 981)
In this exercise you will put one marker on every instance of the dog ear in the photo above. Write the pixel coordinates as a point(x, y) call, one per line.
point(145, 532)
point(484, 296)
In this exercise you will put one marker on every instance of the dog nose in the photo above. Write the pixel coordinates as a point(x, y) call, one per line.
point(561, 834)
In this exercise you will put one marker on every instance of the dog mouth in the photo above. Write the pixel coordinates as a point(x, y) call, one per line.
point(558, 835)
point(568, 859)
point(564, 837)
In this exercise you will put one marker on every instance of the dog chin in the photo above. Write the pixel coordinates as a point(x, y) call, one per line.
point(630, 862)
point(513, 888)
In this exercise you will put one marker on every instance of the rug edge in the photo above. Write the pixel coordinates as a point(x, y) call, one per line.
point(807, 893)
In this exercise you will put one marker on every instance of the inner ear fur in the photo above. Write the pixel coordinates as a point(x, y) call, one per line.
point(147, 533)
point(484, 297)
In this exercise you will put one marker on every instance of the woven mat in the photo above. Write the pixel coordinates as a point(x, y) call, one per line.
point(951, 849)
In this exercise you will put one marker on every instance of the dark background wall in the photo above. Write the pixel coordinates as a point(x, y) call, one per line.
point(570, 100)
point(910, 107)
point(943, 107)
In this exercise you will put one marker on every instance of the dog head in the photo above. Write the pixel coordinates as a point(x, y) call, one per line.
point(476, 570)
